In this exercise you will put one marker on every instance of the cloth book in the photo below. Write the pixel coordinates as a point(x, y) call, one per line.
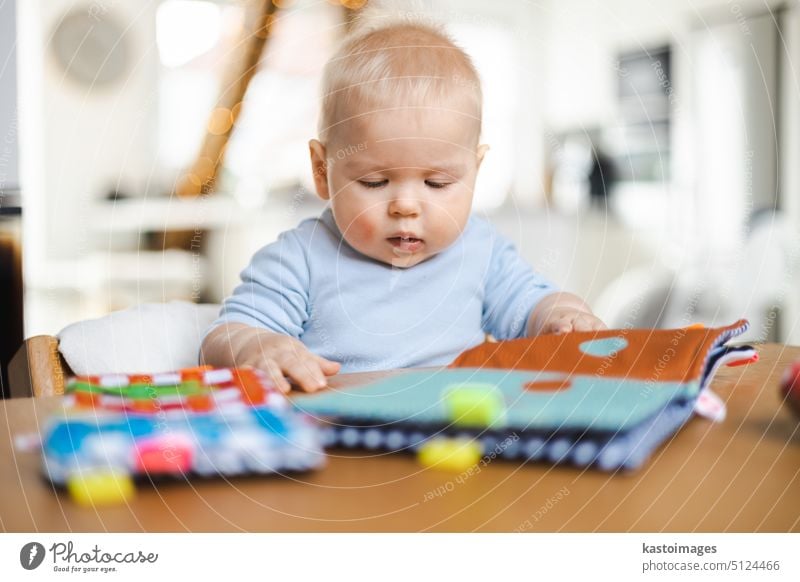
point(201, 421)
point(603, 399)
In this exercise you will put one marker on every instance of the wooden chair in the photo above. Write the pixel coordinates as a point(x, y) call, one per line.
point(38, 368)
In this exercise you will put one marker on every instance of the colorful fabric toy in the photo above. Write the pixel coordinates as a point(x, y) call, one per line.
point(604, 399)
point(198, 421)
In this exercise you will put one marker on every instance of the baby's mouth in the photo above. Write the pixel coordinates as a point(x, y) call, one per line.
point(406, 244)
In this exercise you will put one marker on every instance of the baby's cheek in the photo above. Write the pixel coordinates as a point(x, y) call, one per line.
point(363, 229)
point(359, 233)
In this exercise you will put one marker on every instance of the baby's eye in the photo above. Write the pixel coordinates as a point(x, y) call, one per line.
point(433, 184)
point(373, 183)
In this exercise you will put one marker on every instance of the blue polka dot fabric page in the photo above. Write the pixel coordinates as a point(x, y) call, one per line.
point(603, 399)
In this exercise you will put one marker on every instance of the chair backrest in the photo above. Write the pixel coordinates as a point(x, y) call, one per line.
point(151, 337)
point(38, 368)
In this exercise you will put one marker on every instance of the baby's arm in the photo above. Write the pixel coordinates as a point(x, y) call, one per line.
point(239, 345)
point(561, 313)
point(260, 323)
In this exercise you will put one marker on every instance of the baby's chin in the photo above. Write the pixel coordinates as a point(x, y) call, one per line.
point(402, 261)
point(390, 255)
point(406, 262)
point(401, 258)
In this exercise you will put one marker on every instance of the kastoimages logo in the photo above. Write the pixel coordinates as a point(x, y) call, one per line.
point(31, 555)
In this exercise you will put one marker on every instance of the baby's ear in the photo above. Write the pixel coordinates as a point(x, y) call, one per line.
point(319, 167)
point(481, 152)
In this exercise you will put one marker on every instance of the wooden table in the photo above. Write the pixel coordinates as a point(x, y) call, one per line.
point(742, 475)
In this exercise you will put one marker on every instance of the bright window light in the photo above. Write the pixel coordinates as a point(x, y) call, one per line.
point(494, 54)
point(721, 145)
point(186, 29)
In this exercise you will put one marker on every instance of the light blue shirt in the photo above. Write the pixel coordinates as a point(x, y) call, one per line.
point(367, 315)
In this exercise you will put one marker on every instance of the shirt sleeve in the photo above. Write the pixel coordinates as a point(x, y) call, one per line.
point(273, 293)
point(511, 292)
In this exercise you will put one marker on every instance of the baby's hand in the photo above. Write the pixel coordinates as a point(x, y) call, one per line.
point(283, 356)
point(560, 313)
point(278, 355)
point(566, 319)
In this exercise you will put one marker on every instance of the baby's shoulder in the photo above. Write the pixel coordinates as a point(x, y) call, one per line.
point(314, 230)
point(480, 231)
point(296, 244)
point(479, 225)
point(316, 227)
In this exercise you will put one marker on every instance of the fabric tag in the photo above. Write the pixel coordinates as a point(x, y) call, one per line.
point(710, 406)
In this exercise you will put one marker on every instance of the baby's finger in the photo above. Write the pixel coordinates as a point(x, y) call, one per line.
point(306, 373)
point(276, 375)
point(329, 367)
point(590, 323)
point(560, 326)
point(583, 323)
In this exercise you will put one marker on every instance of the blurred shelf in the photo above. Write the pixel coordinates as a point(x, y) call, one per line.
point(168, 214)
point(171, 268)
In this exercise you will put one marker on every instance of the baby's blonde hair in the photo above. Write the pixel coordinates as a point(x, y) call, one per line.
point(397, 63)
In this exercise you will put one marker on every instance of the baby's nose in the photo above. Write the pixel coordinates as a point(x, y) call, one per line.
point(404, 206)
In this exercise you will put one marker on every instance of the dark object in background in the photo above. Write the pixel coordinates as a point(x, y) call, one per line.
point(790, 387)
point(602, 178)
point(645, 101)
point(11, 330)
point(113, 194)
point(10, 199)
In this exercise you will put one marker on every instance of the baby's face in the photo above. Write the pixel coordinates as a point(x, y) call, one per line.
point(400, 182)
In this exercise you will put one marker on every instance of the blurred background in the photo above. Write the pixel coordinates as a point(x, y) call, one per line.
point(645, 154)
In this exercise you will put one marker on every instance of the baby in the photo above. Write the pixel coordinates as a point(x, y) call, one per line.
point(395, 272)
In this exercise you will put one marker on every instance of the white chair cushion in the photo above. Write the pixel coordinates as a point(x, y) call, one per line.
point(151, 337)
